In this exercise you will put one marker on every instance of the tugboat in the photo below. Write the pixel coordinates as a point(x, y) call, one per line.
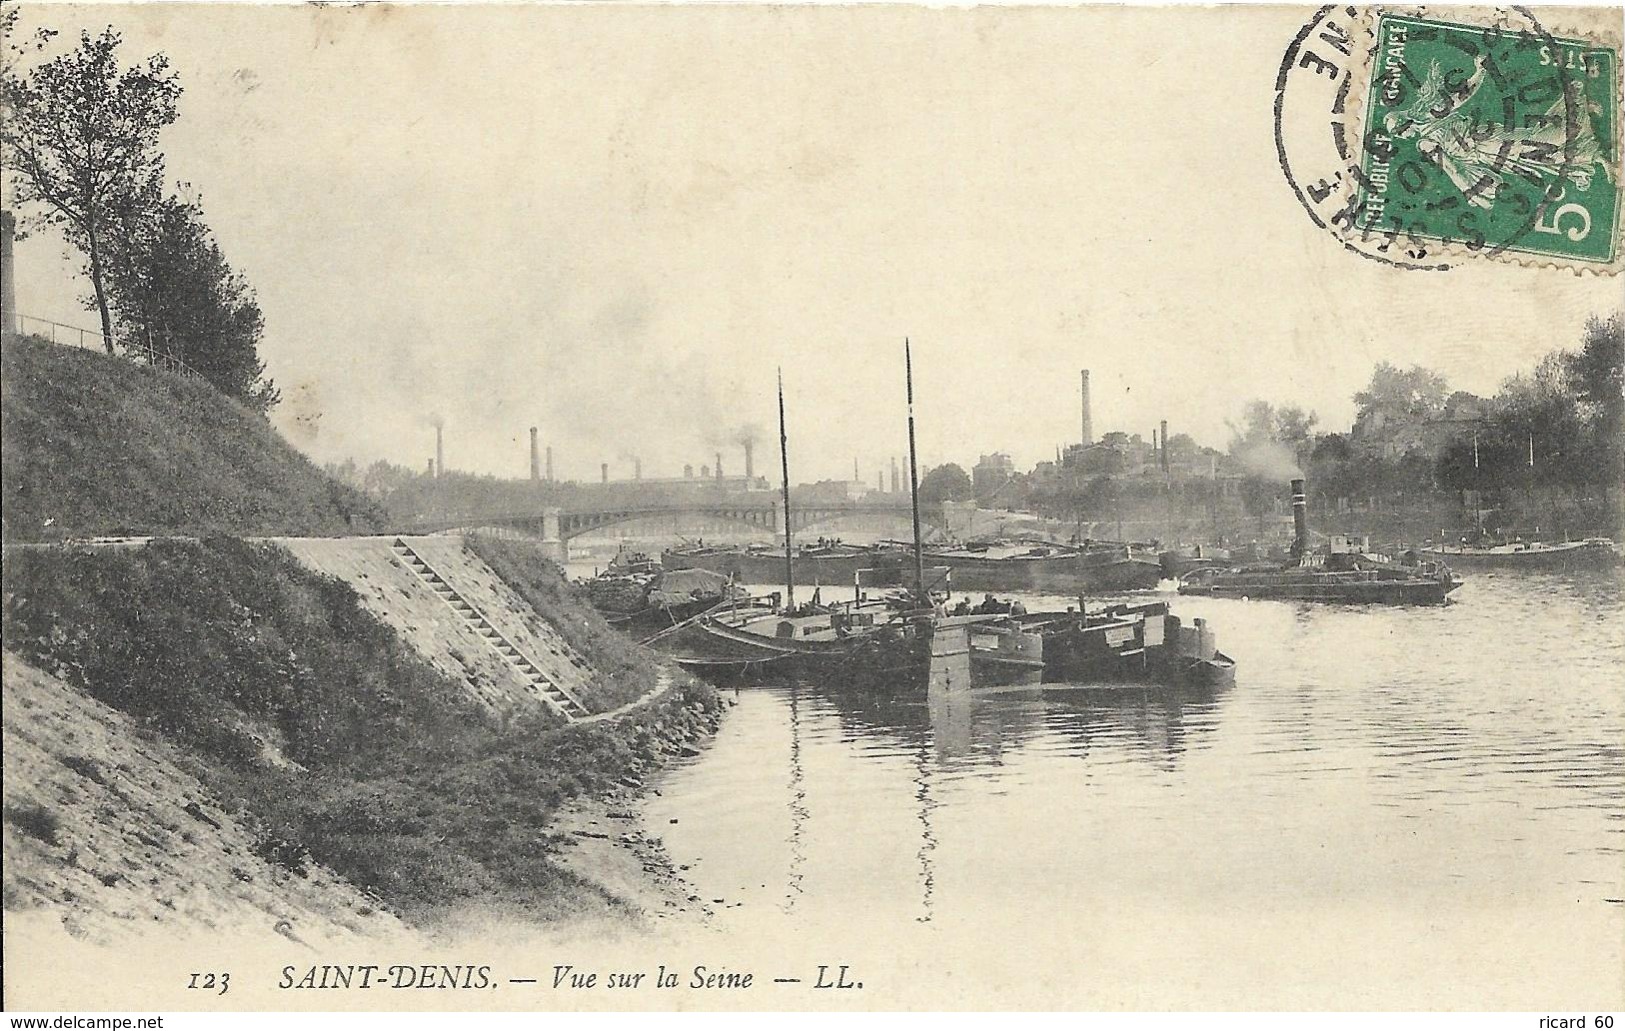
point(1344, 572)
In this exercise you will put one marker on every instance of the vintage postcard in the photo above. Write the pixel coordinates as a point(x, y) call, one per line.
point(558, 507)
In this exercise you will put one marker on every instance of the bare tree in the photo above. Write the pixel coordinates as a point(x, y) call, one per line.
point(82, 135)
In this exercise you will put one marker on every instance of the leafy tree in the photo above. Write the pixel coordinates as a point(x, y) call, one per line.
point(1397, 397)
point(174, 290)
point(1272, 445)
point(1333, 471)
point(81, 134)
point(384, 478)
point(946, 483)
point(1295, 428)
point(1557, 428)
point(1596, 376)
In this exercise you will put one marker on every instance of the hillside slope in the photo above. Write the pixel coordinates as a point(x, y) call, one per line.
point(108, 834)
point(94, 445)
point(310, 717)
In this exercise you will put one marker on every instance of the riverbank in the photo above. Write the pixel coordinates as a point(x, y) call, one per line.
point(613, 843)
point(326, 731)
point(626, 885)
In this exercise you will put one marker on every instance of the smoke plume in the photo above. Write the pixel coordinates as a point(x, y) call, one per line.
point(1270, 460)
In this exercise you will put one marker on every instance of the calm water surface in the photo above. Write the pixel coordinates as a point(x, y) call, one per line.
point(1460, 757)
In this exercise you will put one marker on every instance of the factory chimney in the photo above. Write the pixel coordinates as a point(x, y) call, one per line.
point(896, 484)
point(535, 458)
point(439, 450)
point(637, 468)
point(1300, 521)
point(750, 460)
point(550, 464)
point(719, 466)
point(1088, 421)
point(1164, 438)
point(603, 472)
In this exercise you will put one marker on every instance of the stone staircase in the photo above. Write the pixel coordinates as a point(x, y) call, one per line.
point(557, 697)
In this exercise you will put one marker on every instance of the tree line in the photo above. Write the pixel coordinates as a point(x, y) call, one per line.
point(1559, 429)
point(80, 133)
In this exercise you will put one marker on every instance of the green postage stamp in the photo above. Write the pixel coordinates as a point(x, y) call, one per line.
point(1491, 139)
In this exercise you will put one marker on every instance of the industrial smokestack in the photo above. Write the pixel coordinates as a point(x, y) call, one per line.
point(719, 466)
point(896, 483)
point(603, 472)
point(1165, 445)
point(1300, 521)
point(750, 460)
point(439, 450)
point(535, 458)
point(637, 468)
point(1088, 422)
point(550, 464)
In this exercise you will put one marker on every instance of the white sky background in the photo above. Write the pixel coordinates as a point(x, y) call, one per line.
point(615, 222)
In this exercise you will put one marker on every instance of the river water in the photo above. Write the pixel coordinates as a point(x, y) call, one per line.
point(1429, 802)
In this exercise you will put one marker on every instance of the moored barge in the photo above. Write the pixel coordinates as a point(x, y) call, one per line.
point(1092, 568)
point(1592, 553)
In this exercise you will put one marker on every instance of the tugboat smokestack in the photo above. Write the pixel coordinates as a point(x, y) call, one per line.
point(1300, 520)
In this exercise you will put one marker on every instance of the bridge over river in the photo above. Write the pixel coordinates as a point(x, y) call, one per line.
point(694, 518)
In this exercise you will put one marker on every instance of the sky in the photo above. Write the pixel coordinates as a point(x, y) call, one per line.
point(618, 223)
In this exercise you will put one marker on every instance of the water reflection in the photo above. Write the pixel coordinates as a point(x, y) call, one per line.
point(798, 805)
point(1467, 754)
point(928, 840)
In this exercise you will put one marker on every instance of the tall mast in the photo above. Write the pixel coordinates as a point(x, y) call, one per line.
point(914, 481)
point(784, 463)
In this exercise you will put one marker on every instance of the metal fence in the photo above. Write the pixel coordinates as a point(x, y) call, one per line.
point(91, 340)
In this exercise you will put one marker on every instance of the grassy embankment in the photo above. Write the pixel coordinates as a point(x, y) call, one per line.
point(99, 446)
point(303, 713)
point(315, 723)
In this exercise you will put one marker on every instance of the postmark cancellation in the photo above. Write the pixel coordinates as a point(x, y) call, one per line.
point(1427, 140)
